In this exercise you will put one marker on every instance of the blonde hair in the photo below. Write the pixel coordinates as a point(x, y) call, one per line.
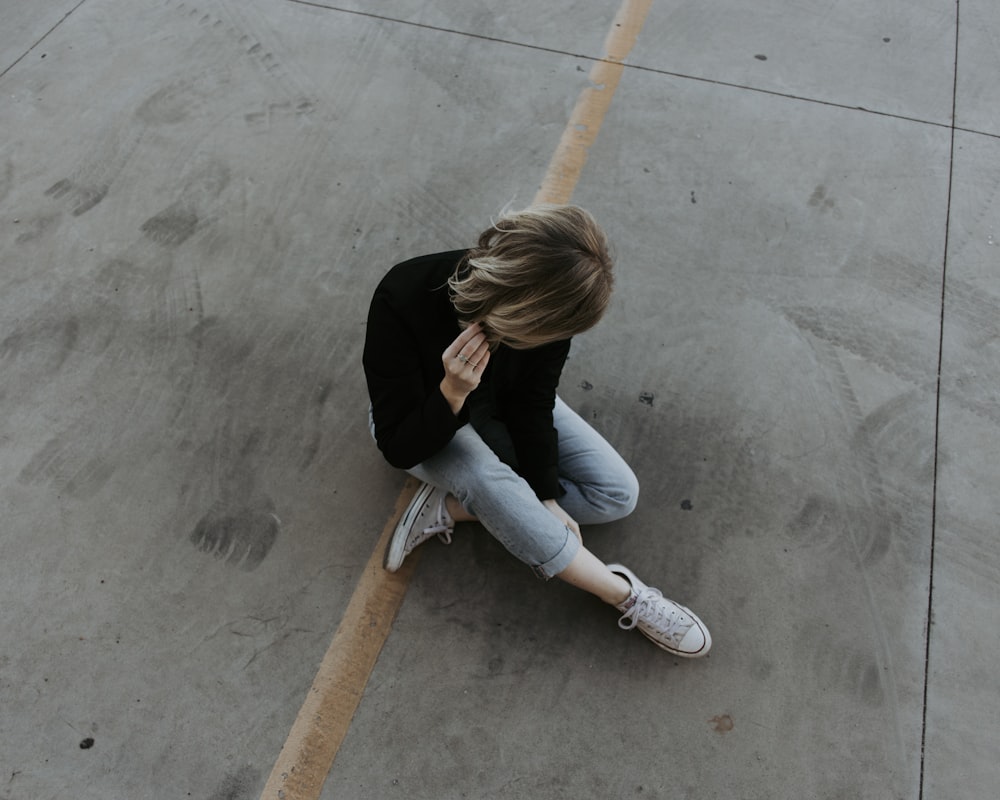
point(536, 276)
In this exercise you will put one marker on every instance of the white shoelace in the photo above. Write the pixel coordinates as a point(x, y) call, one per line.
point(650, 607)
point(442, 526)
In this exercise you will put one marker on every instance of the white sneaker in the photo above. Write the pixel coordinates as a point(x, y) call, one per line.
point(671, 626)
point(425, 516)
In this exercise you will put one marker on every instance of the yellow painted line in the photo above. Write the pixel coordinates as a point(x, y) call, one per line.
point(592, 105)
point(323, 721)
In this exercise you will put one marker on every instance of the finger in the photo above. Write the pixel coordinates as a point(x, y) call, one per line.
point(483, 346)
point(471, 351)
point(474, 344)
point(463, 339)
point(480, 352)
point(479, 364)
point(468, 350)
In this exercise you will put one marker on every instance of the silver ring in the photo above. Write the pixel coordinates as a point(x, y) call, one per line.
point(463, 358)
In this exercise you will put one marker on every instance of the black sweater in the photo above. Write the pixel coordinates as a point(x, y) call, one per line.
point(411, 322)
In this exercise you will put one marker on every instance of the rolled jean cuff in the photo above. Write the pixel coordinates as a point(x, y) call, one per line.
point(560, 560)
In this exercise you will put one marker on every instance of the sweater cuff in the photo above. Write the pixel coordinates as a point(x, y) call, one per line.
point(546, 484)
point(439, 407)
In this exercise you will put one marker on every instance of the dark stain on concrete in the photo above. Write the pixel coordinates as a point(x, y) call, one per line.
point(59, 336)
point(324, 393)
point(242, 537)
point(167, 105)
point(56, 464)
point(6, 179)
point(722, 723)
point(238, 785)
point(820, 200)
point(83, 197)
point(180, 221)
point(171, 227)
point(36, 228)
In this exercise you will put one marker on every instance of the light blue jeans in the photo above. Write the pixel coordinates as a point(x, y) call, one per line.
point(599, 486)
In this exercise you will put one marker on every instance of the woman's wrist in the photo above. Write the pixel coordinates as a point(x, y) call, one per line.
point(455, 400)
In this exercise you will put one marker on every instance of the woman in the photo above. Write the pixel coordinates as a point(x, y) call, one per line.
point(462, 357)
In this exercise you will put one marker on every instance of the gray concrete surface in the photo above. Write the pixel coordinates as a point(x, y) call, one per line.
point(196, 200)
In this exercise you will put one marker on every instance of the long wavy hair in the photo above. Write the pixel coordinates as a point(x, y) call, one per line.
point(535, 277)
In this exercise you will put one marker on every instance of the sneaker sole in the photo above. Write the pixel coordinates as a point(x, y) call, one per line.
point(395, 552)
point(703, 651)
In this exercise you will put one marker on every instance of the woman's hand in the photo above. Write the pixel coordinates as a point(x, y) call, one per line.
point(563, 517)
point(464, 362)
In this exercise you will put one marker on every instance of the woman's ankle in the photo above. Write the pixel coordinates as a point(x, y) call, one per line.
point(457, 510)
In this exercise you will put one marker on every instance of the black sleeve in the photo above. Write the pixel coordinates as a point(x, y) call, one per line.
point(412, 418)
point(529, 420)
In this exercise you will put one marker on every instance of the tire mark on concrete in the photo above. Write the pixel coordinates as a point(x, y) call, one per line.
point(128, 314)
point(297, 100)
point(865, 537)
point(920, 287)
point(852, 331)
point(973, 326)
point(433, 211)
point(58, 335)
point(242, 536)
point(178, 222)
point(175, 100)
point(84, 191)
point(839, 662)
point(36, 227)
point(313, 107)
point(311, 104)
point(241, 524)
point(257, 414)
point(117, 332)
point(987, 200)
point(90, 182)
point(313, 430)
point(55, 463)
point(233, 30)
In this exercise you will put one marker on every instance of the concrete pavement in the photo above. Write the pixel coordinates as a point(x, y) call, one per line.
point(196, 201)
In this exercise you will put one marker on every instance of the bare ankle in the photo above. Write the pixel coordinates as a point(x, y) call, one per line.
point(624, 594)
point(457, 510)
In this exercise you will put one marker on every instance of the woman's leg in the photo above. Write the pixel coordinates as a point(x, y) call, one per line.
point(600, 487)
point(585, 454)
point(502, 501)
point(586, 571)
